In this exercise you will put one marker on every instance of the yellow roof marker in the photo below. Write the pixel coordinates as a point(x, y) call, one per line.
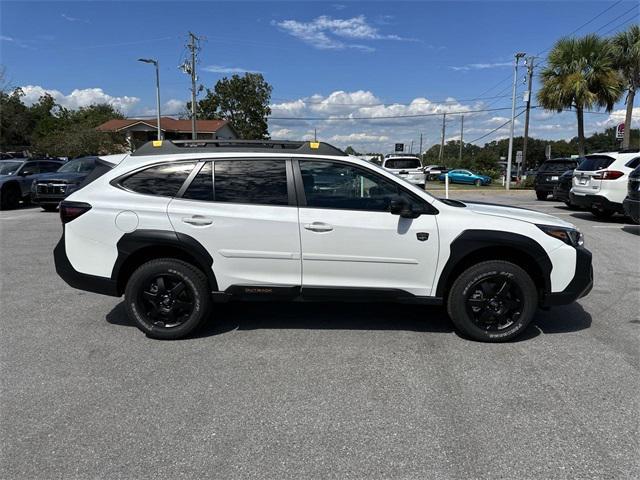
point(157, 143)
point(314, 144)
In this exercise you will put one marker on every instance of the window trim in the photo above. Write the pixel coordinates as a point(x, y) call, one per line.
point(117, 182)
point(302, 200)
point(289, 172)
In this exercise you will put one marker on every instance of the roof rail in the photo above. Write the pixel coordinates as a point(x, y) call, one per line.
point(168, 147)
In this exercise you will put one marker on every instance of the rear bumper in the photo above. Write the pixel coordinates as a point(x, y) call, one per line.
point(580, 285)
point(595, 201)
point(81, 281)
point(631, 207)
point(545, 187)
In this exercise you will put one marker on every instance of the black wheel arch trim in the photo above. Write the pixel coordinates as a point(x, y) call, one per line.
point(133, 242)
point(471, 241)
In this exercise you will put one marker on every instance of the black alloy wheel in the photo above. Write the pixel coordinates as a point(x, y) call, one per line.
point(167, 300)
point(495, 303)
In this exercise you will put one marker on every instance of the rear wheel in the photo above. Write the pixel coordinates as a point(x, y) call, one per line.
point(602, 212)
point(9, 197)
point(478, 183)
point(570, 205)
point(541, 195)
point(167, 298)
point(492, 301)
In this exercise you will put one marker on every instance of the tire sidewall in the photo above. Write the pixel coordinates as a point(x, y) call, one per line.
point(457, 307)
point(188, 275)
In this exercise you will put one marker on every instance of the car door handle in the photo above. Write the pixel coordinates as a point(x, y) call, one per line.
point(198, 220)
point(318, 227)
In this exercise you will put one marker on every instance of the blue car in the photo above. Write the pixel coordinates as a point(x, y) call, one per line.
point(466, 176)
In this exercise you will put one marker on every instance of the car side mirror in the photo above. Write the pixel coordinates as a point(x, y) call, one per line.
point(399, 206)
point(26, 173)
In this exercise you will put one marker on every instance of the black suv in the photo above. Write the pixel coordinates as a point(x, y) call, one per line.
point(51, 188)
point(549, 173)
point(631, 203)
point(17, 175)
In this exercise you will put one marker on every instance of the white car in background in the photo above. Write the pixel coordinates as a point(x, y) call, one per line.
point(407, 167)
point(600, 182)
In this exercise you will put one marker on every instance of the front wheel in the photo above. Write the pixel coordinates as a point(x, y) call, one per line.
point(478, 183)
point(541, 195)
point(492, 301)
point(9, 197)
point(602, 212)
point(167, 298)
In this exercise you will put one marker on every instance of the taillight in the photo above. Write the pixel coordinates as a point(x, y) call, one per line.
point(608, 175)
point(72, 210)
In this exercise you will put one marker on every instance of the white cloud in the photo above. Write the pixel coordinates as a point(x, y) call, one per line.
point(327, 33)
point(281, 133)
point(359, 138)
point(480, 66)
point(618, 116)
point(173, 107)
point(224, 69)
point(69, 18)
point(4, 38)
point(79, 98)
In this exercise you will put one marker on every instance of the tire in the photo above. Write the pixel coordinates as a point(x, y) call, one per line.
point(541, 195)
point(481, 308)
point(602, 213)
point(172, 308)
point(9, 197)
point(634, 219)
point(49, 208)
point(478, 183)
point(571, 206)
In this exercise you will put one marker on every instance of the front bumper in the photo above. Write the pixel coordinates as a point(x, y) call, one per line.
point(580, 285)
point(38, 199)
point(81, 281)
point(595, 201)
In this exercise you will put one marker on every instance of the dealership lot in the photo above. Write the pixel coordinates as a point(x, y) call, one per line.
point(317, 390)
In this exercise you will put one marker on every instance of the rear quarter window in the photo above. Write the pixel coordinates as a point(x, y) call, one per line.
point(595, 162)
point(163, 180)
point(556, 167)
point(633, 163)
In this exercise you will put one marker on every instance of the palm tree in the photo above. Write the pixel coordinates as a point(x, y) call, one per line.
point(626, 55)
point(580, 74)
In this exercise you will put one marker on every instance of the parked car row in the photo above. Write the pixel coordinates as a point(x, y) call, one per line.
point(44, 182)
point(602, 183)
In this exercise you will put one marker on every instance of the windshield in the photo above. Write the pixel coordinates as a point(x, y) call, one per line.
point(556, 167)
point(595, 162)
point(78, 166)
point(400, 163)
point(9, 168)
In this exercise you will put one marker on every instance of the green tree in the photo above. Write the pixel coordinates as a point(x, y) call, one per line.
point(626, 54)
point(16, 123)
point(244, 101)
point(580, 74)
point(351, 151)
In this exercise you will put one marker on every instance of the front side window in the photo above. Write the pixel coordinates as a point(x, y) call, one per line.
point(262, 182)
point(336, 185)
point(163, 180)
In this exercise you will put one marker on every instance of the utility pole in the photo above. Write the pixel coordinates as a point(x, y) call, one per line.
point(461, 138)
point(190, 68)
point(518, 56)
point(411, 147)
point(527, 98)
point(420, 152)
point(444, 119)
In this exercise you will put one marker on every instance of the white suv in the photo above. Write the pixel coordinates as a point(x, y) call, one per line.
point(179, 226)
point(406, 167)
point(600, 182)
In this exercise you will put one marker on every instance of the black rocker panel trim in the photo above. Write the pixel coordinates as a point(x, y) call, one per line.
point(470, 241)
point(133, 242)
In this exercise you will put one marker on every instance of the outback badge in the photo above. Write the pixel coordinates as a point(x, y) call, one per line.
point(422, 236)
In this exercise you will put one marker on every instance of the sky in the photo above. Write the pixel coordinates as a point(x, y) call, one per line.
point(338, 69)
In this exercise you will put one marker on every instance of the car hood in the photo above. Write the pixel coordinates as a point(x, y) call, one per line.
point(517, 213)
point(66, 177)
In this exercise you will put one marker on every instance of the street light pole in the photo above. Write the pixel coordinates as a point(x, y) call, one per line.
point(518, 56)
point(155, 63)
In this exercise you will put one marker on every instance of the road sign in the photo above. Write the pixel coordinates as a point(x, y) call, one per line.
point(620, 131)
point(399, 147)
point(519, 156)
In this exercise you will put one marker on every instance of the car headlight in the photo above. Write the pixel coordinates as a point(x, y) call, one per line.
point(570, 236)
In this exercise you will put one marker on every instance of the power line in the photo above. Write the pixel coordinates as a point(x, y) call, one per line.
point(498, 128)
point(426, 102)
point(635, 7)
point(387, 117)
point(619, 25)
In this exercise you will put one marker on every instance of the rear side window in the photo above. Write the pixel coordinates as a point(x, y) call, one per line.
point(400, 163)
point(201, 187)
point(262, 182)
point(595, 162)
point(633, 163)
point(163, 180)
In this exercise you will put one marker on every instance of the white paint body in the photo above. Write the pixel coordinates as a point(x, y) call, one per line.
point(291, 246)
point(615, 191)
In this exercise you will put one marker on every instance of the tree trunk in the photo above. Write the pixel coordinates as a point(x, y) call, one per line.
point(626, 140)
point(580, 115)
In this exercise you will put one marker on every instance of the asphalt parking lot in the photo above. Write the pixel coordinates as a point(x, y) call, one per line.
point(317, 390)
